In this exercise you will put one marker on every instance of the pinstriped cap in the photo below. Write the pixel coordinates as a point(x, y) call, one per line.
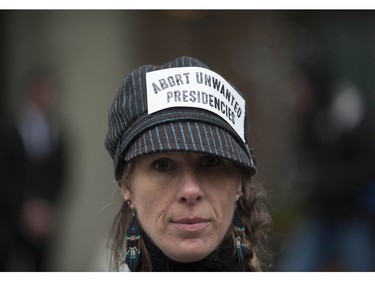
point(185, 107)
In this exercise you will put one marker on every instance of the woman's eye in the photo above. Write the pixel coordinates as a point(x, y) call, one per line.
point(210, 161)
point(163, 165)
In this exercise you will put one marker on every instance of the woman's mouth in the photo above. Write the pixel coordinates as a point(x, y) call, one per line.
point(190, 224)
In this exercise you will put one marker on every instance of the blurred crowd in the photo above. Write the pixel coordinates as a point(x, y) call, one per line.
point(335, 176)
point(32, 173)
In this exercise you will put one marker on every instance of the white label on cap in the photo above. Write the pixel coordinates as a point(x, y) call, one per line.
point(196, 87)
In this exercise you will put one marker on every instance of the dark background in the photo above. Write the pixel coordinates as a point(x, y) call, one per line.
point(292, 65)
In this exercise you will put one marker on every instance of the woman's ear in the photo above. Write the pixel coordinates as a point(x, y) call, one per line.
point(239, 189)
point(125, 190)
point(238, 195)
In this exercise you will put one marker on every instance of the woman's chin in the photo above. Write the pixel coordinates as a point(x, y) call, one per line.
point(189, 251)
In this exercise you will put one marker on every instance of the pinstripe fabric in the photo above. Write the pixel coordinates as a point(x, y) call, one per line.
point(185, 136)
point(133, 133)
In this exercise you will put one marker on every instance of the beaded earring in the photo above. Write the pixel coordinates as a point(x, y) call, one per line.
point(241, 248)
point(133, 244)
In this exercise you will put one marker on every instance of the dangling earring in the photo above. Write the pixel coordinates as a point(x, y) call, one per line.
point(133, 244)
point(241, 248)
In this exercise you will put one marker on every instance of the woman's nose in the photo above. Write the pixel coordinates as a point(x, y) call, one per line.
point(190, 191)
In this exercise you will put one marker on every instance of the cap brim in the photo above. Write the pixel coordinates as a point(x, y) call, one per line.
point(190, 136)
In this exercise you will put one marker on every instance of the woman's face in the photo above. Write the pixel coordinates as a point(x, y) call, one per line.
point(184, 201)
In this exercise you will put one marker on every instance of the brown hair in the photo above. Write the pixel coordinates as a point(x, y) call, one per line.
point(250, 207)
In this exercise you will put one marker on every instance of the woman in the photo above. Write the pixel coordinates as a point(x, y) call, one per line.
point(177, 136)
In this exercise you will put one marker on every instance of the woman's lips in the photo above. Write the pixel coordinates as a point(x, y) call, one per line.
point(191, 224)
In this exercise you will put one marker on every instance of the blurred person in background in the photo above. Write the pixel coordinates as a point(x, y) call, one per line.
point(32, 173)
point(335, 175)
point(185, 172)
